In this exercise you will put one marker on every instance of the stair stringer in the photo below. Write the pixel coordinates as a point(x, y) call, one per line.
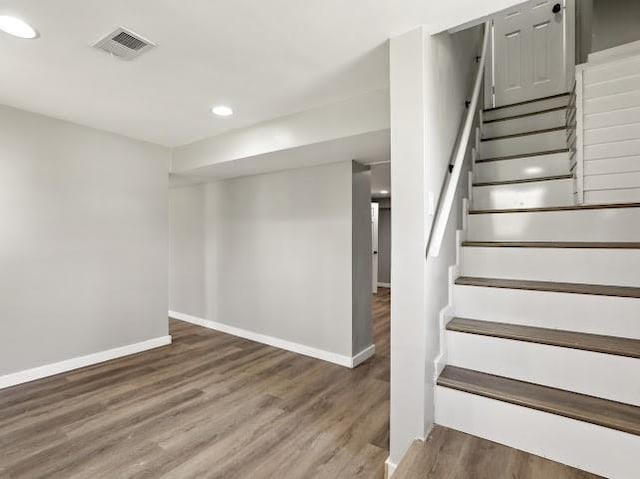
point(446, 314)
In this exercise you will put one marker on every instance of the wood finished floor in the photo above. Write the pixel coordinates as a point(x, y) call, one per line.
point(208, 406)
point(449, 454)
point(216, 406)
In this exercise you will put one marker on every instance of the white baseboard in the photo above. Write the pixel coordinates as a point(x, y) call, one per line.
point(335, 358)
point(384, 285)
point(391, 468)
point(363, 355)
point(80, 362)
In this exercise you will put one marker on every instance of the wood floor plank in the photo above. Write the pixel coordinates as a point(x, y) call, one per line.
point(209, 405)
point(614, 415)
point(553, 337)
point(456, 455)
point(368, 463)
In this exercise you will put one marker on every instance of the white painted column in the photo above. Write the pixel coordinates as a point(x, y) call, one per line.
point(408, 226)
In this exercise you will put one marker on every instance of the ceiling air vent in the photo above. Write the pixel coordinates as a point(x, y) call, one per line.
point(124, 44)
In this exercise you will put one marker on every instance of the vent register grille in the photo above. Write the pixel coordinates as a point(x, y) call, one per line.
point(124, 44)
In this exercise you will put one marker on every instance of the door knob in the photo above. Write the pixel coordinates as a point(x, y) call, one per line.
point(556, 8)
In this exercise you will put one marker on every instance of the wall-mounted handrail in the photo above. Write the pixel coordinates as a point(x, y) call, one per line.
point(575, 135)
point(448, 193)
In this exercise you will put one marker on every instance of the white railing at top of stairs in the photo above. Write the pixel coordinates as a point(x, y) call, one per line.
point(448, 193)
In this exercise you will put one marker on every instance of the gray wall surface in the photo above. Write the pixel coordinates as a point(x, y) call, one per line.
point(384, 245)
point(277, 254)
point(361, 280)
point(584, 26)
point(83, 240)
point(187, 254)
point(615, 22)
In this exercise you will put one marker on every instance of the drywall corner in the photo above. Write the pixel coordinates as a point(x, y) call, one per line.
point(361, 275)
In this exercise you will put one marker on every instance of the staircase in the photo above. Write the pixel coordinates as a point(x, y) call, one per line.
point(543, 353)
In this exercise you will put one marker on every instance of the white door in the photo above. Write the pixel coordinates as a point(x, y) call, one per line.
point(374, 246)
point(533, 51)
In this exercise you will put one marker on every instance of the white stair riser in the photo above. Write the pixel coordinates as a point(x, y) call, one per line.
point(595, 374)
point(631, 195)
point(540, 166)
point(619, 267)
point(526, 108)
point(608, 224)
point(522, 145)
point(524, 195)
point(583, 313)
point(525, 124)
point(593, 448)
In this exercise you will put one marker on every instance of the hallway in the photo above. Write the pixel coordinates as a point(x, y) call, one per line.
point(208, 406)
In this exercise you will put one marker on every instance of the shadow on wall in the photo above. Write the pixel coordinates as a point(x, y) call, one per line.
point(384, 242)
point(603, 24)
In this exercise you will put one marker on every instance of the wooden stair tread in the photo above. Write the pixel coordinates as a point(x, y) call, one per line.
point(549, 244)
point(524, 180)
point(523, 155)
point(602, 412)
point(526, 102)
point(557, 208)
point(553, 337)
point(526, 133)
point(550, 286)
point(524, 115)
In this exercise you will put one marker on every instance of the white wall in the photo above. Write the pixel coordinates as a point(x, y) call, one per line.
point(611, 119)
point(277, 255)
point(408, 229)
point(430, 80)
point(83, 240)
point(457, 13)
point(450, 70)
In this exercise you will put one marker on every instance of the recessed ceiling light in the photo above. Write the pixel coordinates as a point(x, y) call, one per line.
point(16, 27)
point(222, 110)
point(384, 192)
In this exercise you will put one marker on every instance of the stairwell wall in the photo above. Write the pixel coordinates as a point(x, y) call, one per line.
point(450, 72)
point(431, 77)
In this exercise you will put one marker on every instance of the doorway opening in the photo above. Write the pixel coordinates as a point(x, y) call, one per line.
point(381, 227)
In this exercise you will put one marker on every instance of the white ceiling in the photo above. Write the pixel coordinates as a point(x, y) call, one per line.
point(265, 58)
